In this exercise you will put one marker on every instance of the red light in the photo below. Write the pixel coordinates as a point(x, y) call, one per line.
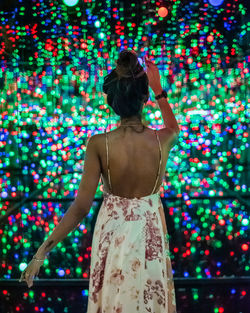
point(244, 247)
point(222, 222)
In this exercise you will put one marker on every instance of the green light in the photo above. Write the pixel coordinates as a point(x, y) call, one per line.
point(212, 234)
point(97, 24)
point(193, 249)
point(176, 220)
point(211, 193)
point(196, 297)
point(218, 244)
point(229, 228)
point(178, 51)
point(22, 266)
point(245, 221)
point(101, 35)
point(31, 294)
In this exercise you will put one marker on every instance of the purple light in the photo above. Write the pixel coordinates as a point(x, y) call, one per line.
point(216, 2)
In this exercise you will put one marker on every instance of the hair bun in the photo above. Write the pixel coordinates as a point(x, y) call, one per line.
point(127, 58)
point(128, 65)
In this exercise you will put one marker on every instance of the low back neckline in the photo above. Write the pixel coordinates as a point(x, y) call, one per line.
point(157, 178)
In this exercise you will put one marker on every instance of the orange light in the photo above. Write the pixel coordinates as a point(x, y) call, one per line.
point(210, 38)
point(163, 11)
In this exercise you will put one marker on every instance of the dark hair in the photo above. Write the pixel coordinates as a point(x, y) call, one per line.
point(126, 86)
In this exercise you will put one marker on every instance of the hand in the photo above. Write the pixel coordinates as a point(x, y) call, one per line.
point(153, 76)
point(31, 271)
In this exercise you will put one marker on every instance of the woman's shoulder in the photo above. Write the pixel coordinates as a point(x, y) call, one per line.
point(168, 136)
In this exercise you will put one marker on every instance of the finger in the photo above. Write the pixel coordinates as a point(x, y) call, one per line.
point(28, 277)
point(30, 280)
point(30, 283)
point(22, 277)
point(149, 63)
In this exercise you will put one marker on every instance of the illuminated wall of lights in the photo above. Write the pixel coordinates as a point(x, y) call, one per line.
point(51, 101)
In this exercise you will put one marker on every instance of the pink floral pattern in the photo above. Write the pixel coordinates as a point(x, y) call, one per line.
point(130, 268)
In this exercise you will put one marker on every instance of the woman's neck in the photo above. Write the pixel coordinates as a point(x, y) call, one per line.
point(130, 121)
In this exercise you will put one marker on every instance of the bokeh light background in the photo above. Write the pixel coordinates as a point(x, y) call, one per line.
point(54, 56)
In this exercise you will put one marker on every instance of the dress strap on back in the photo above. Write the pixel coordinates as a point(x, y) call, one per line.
point(159, 168)
point(107, 150)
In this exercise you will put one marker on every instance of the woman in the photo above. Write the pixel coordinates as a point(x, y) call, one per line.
point(130, 262)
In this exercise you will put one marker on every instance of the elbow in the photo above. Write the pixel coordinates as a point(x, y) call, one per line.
point(80, 210)
point(175, 129)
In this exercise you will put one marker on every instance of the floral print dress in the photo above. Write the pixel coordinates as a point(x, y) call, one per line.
point(130, 260)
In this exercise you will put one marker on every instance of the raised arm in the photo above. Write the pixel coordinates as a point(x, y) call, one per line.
point(168, 116)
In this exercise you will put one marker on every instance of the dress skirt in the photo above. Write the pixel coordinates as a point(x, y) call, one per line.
point(130, 260)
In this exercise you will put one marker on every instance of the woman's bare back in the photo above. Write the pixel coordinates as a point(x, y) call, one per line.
point(134, 160)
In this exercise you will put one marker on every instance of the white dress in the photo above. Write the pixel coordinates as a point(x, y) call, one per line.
point(130, 268)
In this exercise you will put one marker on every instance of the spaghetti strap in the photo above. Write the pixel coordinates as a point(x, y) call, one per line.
point(107, 150)
point(159, 168)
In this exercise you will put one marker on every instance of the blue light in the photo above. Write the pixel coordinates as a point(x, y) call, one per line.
point(140, 61)
point(4, 194)
point(61, 272)
point(216, 2)
point(85, 292)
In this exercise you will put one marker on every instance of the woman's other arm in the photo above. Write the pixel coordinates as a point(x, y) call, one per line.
point(67, 224)
point(81, 205)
